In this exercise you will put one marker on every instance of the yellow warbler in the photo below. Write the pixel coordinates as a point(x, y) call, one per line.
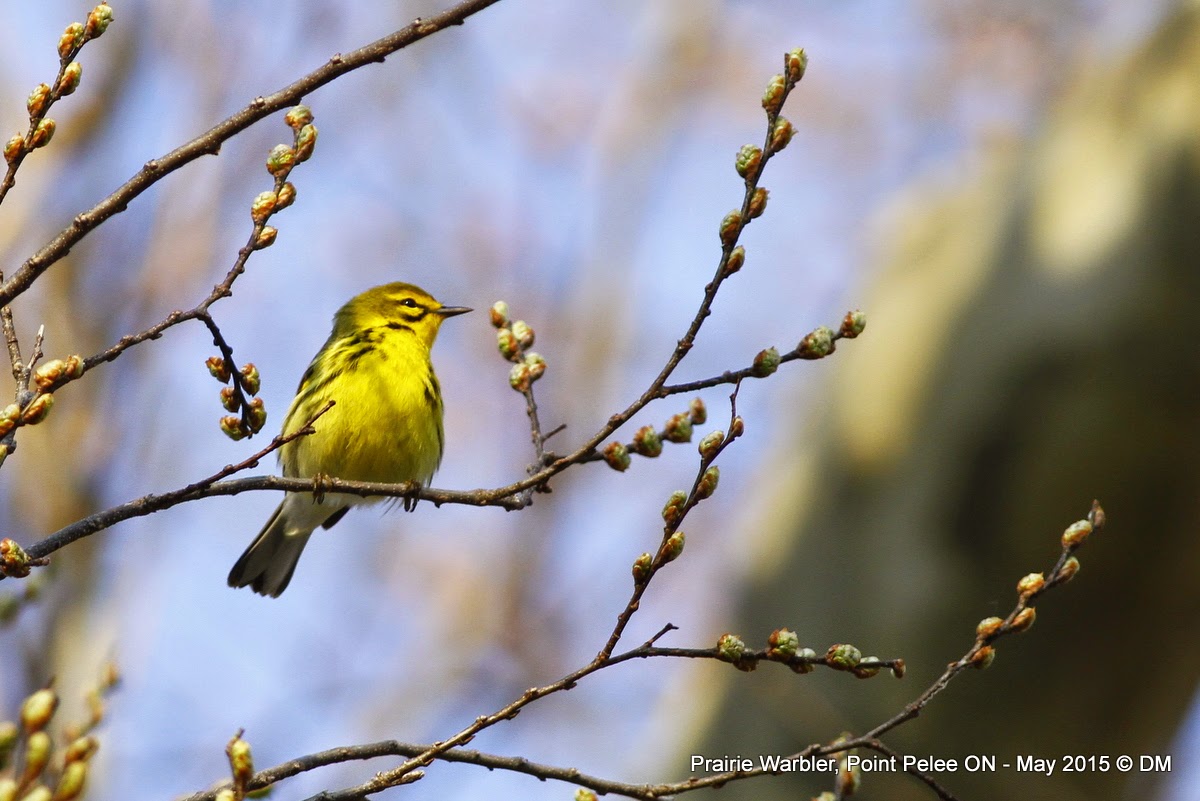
point(386, 425)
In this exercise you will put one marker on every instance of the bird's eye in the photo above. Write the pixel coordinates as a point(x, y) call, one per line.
point(409, 302)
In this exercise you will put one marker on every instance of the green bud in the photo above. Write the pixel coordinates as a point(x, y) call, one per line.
point(98, 21)
point(37, 709)
point(266, 237)
point(43, 133)
point(617, 456)
point(765, 363)
point(853, 324)
point(523, 333)
point(298, 116)
point(988, 628)
point(805, 657)
point(796, 64)
point(817, 345)
point(672, 511)
point(843, 656)
point(1032, 583)
point(280, 159)
point(758, 203)
point(1069, 569)
point(38, 410)
point(678, 428)
point(14, 561)
point(866, 672)
point(772, 100)
point(69, 82)
point(536, 365)
point(748, 160)
point(263, 206)
point(737, 258)
point(506, 342)
point(782, 644)
point(14, 148)
point(250, 378)
point(241, 762)
point(673, 547)
point(217, 368)
point(81, 749)
point(72, 38)
point(286, 196)
point(256, 414)
point(37, 755)
point(711, 444)
point(229, 401)
point(499, 313)
point(781, 134)
point(70, 784)
point(1076, 534)
point(708, 483)
point(731, 648)
point(647, 442)
point(583, 794)
point(232, 427)
point(983, 658)
point(697, 412)
point(1024, 619)
point(38, 99)
point(306, 141)
point(641, 567)
point(731, 226)
point(519, 377)
point(898, 668)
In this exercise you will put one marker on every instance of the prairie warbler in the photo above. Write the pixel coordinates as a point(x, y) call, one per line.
point(386, 425)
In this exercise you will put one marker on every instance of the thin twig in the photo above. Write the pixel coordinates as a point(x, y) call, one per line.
point(209, 143)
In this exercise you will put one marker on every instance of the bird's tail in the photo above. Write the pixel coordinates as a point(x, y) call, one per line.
point(268, 564)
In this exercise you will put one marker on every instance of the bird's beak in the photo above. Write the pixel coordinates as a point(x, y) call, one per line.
point(451, 311)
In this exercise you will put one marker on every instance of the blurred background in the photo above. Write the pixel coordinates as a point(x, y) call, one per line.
point(1010, 192)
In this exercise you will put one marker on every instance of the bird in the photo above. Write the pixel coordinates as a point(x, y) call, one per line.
point(385, 425)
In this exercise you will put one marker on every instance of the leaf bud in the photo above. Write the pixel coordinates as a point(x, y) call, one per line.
point(731, 226)
point(868, 671)
point(737, 258)
point(1076, 534)
point(817, 345)
point(250, 378)
point(298, 116)
point(1069, 569)
point(71, 39)
point(506, 342)
point(758, 203)
point(519, 378)
point(805, 658)
point(737, 427)
point(263, 207)
point(708, 483)
point(678, 428)
point(280, 159)
point(749, 159)
point(43, 133)
point(499, 314)
point(853, 324)
point(217, 368)
point(584, 794)
point(1033, 583)
point(37, 755)
point(53, 372)
point(14, 562)
point(37, 709)
point(536, 365)
point(697, 412)
point(81, 749)
point(843, 656)
point(286, 196)
point(241, 761)
point(781, 134)
point(673, 547)
point(256, 414)
point(38, 100)
point(98, 21)
point(523, 333)
point(731, 648)
point(232, 427)
point(782, 644)
point(983, 658)
point(13, 148)
point(306, 140)
point(69, 82)
point(229, 401)
point(70, 783)
point(711, 444)
point(1024, 619)
point(796, 63)
point(765, 363)
point(641, 567)
point(898, 668)
point(988, 628)
point(38, 792)
point(772, 100)
point(617, 456)
point(266, 237)
point(672, 511)
point(36, 412)
point(647, 442)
